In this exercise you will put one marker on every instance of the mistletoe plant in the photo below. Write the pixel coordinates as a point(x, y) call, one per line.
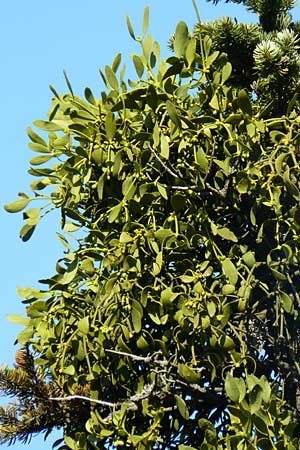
point(172, 320)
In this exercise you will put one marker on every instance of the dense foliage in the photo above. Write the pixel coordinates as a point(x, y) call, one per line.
point(172, 320)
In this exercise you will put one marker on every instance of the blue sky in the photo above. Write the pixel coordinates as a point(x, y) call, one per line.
point(37, 41)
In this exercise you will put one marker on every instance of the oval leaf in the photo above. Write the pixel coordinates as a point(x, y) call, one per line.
point(182, 408)
point(17, 205)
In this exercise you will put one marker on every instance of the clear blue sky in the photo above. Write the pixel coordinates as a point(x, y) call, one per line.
point(37, 41)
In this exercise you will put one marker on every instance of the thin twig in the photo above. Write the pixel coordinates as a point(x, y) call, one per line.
point(130, 404)
point(163, 164)
point(183, 188)
point(146, 359)
point(82, 397)
point(221, 192)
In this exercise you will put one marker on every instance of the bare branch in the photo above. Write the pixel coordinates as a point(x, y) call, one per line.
point(82, 397)
point(183, 188)
point(146, 359)
point(163, 164)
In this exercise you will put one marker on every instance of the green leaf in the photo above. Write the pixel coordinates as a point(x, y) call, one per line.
point(190, 53)
point(129, 187)
point(287, 302)
point(89, 96)
point(243, 186)
point(234, 119)
point(37, 160)
point(224, 232)
point(211, 309)
point(110, 126)
point(292, 103)
point(100, 185)
point(26, 232)
point(278, 275)
point(114, 213)
point(69, 370)
point(53, 90)
point(36, 138)
point(164, 147)
point(147, 46)
point(244, 102)
point(111, 78)
point(32, 216)
point(138, 64)
point(202, 160)
point(261, 423)
point(25, 335)
point(186, 447)
point(182, 408)
point(155, 318)
point(17, 205)
point(47, 126)
point(62, 141)
point(214, 103)
point(249, 259)
point(146, 20)
point(235, 388)
point(70, 273)
point(162, 190)
point(136, 318)
point(228, 289)
point(226, 72)
point(188, 374)
point(84, 325)
point(157, 264)
point(163, 233)
point(230, 271)
point(17, 319)
point(173, 114)
point(68, 82)
point(279, 162)
point(116, 62)
point(180, 38)
point(167, 296)
point(130, 28)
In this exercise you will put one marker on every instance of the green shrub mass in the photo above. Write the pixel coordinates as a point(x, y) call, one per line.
point(172, 321)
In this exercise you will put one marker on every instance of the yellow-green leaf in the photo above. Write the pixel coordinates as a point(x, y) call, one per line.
point(182, 408)
point(180, 38)
point(17, 205)
point(230, 271)
point(84, 325)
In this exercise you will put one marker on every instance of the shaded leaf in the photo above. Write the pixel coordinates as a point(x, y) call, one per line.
point(244, 102)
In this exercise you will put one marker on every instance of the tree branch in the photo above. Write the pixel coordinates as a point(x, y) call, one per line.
point(174, 174)
point(82, 397)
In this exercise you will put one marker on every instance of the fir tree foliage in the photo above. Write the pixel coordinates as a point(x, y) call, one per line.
point(273, 14)
point(266, 56)
point(172, 318)
point(31, 411)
